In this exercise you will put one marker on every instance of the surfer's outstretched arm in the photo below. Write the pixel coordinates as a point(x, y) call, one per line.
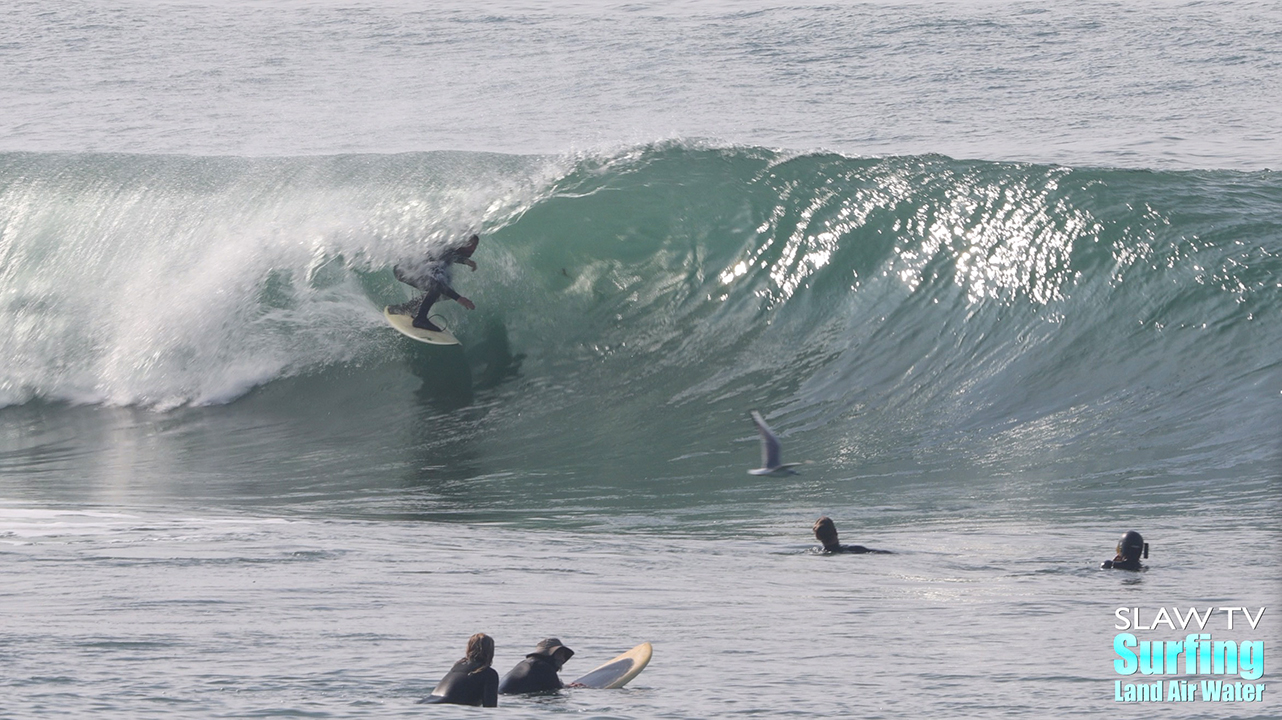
point(449, 292)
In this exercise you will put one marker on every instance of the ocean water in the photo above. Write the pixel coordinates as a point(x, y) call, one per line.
point(1006, 276)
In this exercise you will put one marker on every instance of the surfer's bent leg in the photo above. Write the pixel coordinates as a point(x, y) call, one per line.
point(420, 320)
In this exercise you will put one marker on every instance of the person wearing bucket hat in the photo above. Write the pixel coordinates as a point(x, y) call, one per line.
point(471, 681)
point(826, 533)
point(1129, 550)
point(538, 671)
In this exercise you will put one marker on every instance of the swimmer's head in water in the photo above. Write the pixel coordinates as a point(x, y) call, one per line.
point(1132, 546)
point(480, 649)
point(826, 532)
point(553, 649)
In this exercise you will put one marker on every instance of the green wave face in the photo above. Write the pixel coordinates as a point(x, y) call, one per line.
point(894, 312)
point(916, 306)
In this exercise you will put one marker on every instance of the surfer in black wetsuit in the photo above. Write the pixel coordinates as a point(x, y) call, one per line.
point(826, 533)
point(471, 681)
point(433, 276)
point(1129, 550)
point(538, 671)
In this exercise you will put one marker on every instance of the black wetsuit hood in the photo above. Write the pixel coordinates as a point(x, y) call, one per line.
point(1129, 550)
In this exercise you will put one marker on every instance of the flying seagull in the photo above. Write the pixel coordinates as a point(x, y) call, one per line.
point(770, 464)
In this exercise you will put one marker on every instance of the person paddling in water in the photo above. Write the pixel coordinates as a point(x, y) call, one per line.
point(433, 276)
point(471, 681)
point(826, 533)
point(538, 671)
point(1129, 550)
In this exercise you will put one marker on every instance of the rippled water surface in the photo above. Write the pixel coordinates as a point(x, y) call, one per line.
point(1004, 277)
point(1169, 84)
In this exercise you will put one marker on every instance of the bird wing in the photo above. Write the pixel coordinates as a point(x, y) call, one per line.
point(770, 450)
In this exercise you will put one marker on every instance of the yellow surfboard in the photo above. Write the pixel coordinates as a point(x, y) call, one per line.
point(405, 324)
point(620, 670)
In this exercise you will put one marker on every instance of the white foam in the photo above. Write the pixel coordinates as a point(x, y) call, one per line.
point(161, 283)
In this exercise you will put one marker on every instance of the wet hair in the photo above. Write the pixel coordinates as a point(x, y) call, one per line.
point(826, 531)
point(480, 650)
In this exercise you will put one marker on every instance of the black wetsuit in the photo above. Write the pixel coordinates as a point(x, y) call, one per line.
point(467, 684)
point(1118, 563)
point(536, 673)
point(854, 549)
point(433, 278)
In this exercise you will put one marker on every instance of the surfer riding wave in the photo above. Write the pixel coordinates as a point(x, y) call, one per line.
point(433, 275)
